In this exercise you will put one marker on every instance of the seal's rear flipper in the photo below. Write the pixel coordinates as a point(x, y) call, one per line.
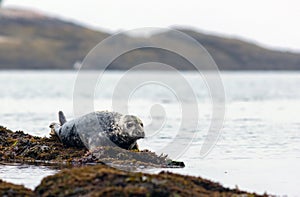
point(62, 118)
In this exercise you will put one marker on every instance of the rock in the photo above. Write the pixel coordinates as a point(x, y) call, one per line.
point(20, 147)
point(12, 190)
point(101, 180)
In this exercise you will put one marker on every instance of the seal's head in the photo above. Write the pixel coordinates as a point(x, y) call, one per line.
point(130, 129)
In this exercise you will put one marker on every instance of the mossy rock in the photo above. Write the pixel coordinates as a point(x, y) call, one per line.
point(21, 147)
point(101, 180)
point(12, 190)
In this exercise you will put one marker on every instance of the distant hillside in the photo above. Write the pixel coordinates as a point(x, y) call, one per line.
point(233, 54)
point(30, 40)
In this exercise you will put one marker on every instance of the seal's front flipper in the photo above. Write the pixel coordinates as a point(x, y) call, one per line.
point(62, 118)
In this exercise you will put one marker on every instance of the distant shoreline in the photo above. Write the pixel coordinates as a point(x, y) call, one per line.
point(45, 42)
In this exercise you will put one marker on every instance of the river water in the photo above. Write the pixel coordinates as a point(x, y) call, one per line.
point(258, 148)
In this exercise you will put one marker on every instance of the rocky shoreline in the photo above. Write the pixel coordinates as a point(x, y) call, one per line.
point(99, 179)
point(102, 180)
point(20, 147)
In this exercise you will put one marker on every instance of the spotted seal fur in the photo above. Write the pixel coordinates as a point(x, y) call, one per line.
point(99, 129)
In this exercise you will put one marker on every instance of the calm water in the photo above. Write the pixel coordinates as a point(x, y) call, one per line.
point(258, 150)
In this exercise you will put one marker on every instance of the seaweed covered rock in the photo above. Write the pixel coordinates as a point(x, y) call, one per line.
point(101, 180)
point(12, 190)
point(20, 147)
point(129, 160)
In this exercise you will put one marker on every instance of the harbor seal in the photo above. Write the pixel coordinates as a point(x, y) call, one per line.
point(101, 128)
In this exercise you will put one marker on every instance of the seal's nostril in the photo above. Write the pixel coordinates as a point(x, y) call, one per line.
point(142, 134)
point(138, 134)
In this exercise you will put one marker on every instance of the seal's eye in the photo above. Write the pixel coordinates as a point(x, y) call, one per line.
point(142, 125)
point(129, 125)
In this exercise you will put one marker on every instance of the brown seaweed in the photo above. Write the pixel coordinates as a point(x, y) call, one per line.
point(101, 180)
point(12, 190)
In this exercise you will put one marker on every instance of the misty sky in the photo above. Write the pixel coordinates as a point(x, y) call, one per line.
point(272, 23)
